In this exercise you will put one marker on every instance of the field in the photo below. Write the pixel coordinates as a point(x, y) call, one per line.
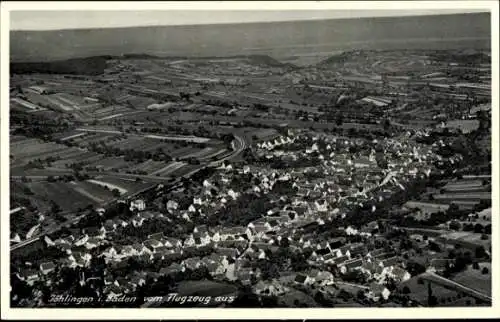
point(111, 164)
point(466, 186)
point(207, 288)
point(25, 106)
point(148, 166)
point(465, 126)
point(474, 279)
point(467, 239)
point(459, 196)
point(419, 292)
point(122, 181)
point(24, 149)
point(426, 207)
point(168, 169)
point(288, 299)
point(69, 196)
point(178, 138)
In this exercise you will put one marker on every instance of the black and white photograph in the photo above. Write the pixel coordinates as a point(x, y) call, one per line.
point(226, 158)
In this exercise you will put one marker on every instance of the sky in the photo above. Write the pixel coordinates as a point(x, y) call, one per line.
point(54, 20)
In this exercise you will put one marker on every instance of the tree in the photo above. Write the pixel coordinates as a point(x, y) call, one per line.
point(406, 290)
point(485, 270)
point(55, 208)
point(454, 225)
point(339, 120)
point(480, 252)
point(387, 124)
point(478, 228)
point(431, 299)
point(116, 192)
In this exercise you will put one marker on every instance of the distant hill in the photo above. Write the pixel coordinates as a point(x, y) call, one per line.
point(95, 65)
point(335, 59)
point(78, 66)
point(276, 39)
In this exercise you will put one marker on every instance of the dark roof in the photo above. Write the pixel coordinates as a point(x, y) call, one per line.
point(92, 231)
point(353, 263)
point(323, 251)
point(156, 236)
point(335, 244)
point(390, 261)
point(228, 252)
point(300, 278)
point(47, 265)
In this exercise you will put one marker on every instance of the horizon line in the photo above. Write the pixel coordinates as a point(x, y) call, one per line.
point(410, 15)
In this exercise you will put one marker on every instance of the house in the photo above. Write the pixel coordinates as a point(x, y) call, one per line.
point(152, 244)
point(120, 223)
point(140, 249)
point(197, 240)
point(244, 275)
point(30, 276)
point(201, 229)
point(92, 242)
point(173, 269)
point(114, 291)
point(82, 241)
point(47, 267)
point(172, 242)
point(269, 288)
point(79, 259)
point(227, 252)
point(110, 252)
point(65, 248)
point(377, 292)
point(375, 252)
point(108, 280)
point(192, 208)
point(439, 264)
point(192, 263)
point(138, 205)
point(389, 262)
point(109, 226)
point(172, 205)
point(257, 230)
point(330, 258)
point(94, 232)
point(324, 278)
point(137, 281)
point(303, 279)
point(239, 244)
point(321, 205)
point(148, 215)
point(350, 265)
point(399, 274)
point(336, 243)
point(343, 251)
point(137, 221)
point(157, 236)
point(47, 240)
point(357, 250)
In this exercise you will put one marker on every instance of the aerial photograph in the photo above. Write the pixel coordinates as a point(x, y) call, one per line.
point(285, 159)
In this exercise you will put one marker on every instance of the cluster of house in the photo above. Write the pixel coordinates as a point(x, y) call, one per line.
point(315, 202)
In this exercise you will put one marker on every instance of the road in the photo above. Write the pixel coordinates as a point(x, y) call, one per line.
point(432, 277)
point(240, 144)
